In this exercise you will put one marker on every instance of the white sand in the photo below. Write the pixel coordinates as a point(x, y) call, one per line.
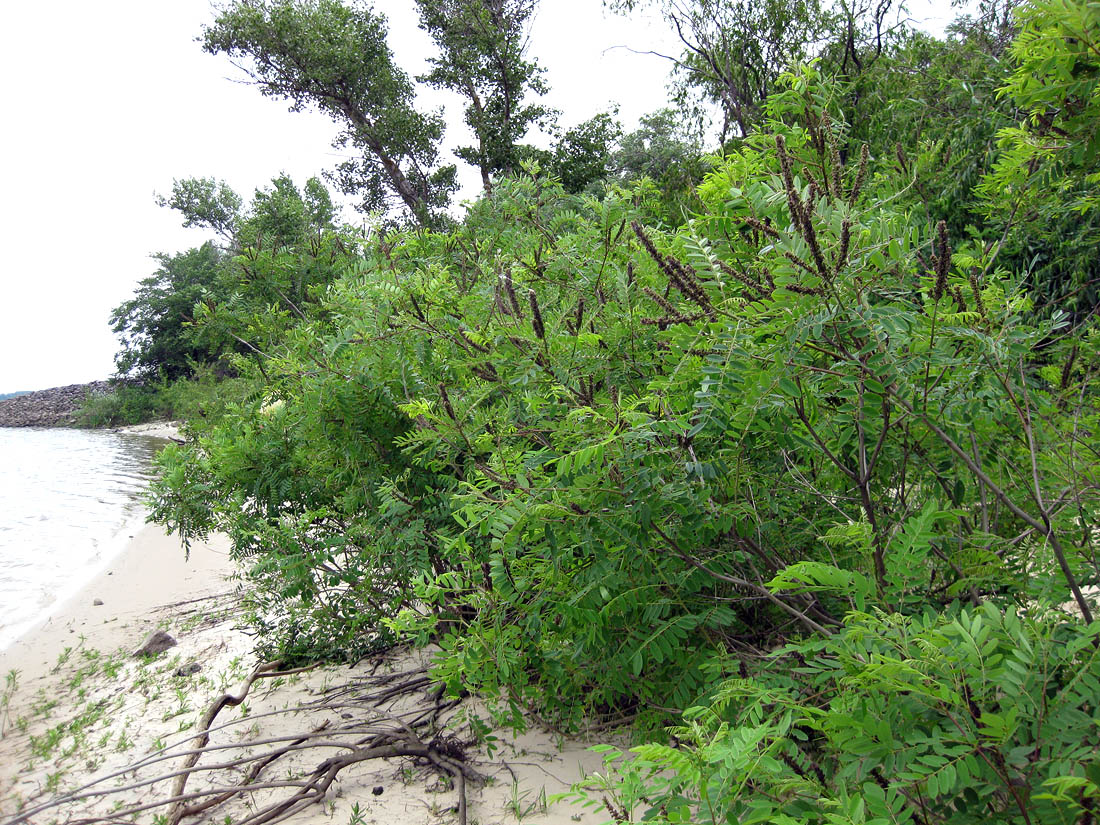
point(84, 709)
point(157, 429)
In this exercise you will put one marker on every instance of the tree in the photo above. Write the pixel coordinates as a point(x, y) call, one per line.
point(206, 203)
point(322, 53)
point(661, 150)
point(155, 327)
point(206, 302)
point(481, 57)
point(735, 51)
point(583, 155)
point(284, 216)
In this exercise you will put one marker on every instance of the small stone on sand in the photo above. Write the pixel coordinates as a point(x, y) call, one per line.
point(156, 642)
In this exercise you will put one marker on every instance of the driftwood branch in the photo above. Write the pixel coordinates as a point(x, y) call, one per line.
point(412, 734)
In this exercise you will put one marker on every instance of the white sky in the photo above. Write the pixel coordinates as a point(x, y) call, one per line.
point(107, 102)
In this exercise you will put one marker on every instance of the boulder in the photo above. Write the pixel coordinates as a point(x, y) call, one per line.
point(156, 642)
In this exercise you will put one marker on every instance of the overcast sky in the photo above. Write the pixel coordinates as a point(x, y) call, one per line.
point(107, 102)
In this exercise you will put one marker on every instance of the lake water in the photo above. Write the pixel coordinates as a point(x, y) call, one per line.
point(69, 501)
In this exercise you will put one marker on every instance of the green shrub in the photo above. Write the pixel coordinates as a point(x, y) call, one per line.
point(124, 405)
point(206, 395)
point(965, 716)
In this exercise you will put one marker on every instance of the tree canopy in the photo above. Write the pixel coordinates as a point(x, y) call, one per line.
point(481, 57)
point(334, 57)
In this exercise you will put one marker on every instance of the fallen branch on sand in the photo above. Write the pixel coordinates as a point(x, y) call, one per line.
point(208, 774)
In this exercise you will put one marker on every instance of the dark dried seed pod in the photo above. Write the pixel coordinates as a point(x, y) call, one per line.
point(472, 342)
point(646, 242)
point(834, 154)
point(690, 279)
point(815, 192)
point(536, 315)
point(845, 242)
point(498, 299)
point(1067, 368)
point(660, 300)
point(755, 288)
point(760, 226)
point(941, 261)
point(510, 291)
point(805, 290)
point(903, 161)
point(960, 299)
point(794, 203)
point(663, 261)
point(801, 264)
point(486, 372)
point(447, 403)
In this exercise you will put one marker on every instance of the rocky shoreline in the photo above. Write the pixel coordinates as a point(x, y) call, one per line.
point(55, 407)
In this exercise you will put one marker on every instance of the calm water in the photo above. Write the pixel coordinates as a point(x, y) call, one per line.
point(69, 500)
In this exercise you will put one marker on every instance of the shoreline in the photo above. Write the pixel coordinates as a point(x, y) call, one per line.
point(85, 713)
point(168, 430)
point(149, 572)
point(119, 517)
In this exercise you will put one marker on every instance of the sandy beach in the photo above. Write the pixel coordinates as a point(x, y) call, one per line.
point(91, 733)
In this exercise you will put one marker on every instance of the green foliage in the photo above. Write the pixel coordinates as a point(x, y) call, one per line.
point(202, 307)
point(1042, 191)
point(735, 51)
point(206, 394)
point(481, 57)
point(664, 152)
point(125, 404)
point(583, 155)
point(155, 326)
point(206, 203)
point(335, 57)
point(962, 717)
point(806, 425)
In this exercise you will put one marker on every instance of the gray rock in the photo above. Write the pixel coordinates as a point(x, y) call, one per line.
point(55, 407)
point(156, 642)
point(97, 602)
point(188, 669)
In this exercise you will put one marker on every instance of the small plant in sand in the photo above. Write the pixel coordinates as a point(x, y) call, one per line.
point(47, 743)
point(124, 742)
point(43, 705)
point(112, 665)
point(521, 806)
point(11, 684)
point(62, 658)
